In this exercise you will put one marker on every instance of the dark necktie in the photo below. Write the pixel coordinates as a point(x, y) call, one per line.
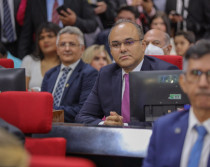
point(60, 85)
point(125, 107)
point(55, 16)
point(8, 31)
point(195, 154)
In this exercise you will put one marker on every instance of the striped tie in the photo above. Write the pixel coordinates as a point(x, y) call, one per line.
point(8, 31)
point(60, 85)
point(55, 16)
point(195, 155)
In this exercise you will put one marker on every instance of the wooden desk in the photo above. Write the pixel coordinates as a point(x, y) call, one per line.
point(102, 141)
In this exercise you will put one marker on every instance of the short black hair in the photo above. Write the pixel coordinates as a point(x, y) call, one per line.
point(128, 8)
point(188, 35)
point(201, 48)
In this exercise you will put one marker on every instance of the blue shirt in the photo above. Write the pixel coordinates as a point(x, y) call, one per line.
point(50, 4)
point(17, 62)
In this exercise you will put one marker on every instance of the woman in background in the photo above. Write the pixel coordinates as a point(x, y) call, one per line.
point(96, 56)
point(161, 22)
point(44, 57)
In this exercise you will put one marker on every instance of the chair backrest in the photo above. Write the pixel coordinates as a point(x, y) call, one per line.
point(51, 146)
point(7, 63)
point(31, 112)
point(49, 161)
point(173, 59)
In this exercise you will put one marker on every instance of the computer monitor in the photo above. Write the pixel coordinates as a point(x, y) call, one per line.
point(155, 93)
point(12, 79)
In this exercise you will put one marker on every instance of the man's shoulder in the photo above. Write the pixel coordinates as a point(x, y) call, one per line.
point(104, 33)
point(110, 68)
point(173, 118)
point(158, 64)
point(52, 70)
point(86, 68)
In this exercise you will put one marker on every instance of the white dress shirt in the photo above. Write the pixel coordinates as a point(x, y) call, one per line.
point(191, 138)
point(138, 68)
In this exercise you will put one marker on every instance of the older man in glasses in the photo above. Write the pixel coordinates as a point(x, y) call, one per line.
point(108, 97)
point(183, 138)
point(71, 82)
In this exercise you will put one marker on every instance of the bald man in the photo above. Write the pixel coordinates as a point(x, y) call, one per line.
point(127, 48)
point(157, 42)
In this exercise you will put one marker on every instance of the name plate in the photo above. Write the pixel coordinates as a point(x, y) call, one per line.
point(58, 116)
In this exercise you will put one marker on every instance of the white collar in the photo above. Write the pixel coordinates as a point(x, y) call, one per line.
point(138, 68)
point(72, 66)
point(194, 121)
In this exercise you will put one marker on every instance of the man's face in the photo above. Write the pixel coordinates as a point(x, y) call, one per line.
point(157, 38)
point(125, 46)
point(198, 90)
point(69, 49)
point(124, 14)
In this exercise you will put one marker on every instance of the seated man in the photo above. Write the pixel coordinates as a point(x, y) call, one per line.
point(107, 97)
point(158, 42)
point(183, 138)
point(71, 82)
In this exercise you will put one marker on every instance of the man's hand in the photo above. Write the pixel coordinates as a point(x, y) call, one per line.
point(114, 119)
point(101, 7)
point(68, 18)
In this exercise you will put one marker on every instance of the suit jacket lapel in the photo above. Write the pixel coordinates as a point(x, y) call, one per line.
point(117, 90)
point(16, 6)
point(72, 77)
point(53, 79)
point(180, 130)
point(146, 66)
point(43, 8)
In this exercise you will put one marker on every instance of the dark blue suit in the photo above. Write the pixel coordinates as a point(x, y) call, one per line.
point(107, 92)
point(167, 140)
point(80, 84)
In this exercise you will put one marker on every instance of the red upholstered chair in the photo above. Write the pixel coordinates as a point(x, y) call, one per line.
point(46, 146)
point(7, 63)
point(173, 59)
point(32, 112)
point(47, 161)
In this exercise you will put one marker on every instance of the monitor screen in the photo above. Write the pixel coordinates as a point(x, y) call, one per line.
point(155, 93)
point(12, 79)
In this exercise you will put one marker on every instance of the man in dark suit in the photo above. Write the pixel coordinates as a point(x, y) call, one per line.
point(79, 14)
point(11, 45)
point(127, 48)
point(71, 82)
point(176, 139)
point(198, 19)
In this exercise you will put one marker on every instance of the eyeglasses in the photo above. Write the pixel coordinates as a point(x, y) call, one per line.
point(194, 75)
point(128, 42)
point(70, 44)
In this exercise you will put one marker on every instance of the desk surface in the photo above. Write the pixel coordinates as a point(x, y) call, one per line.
point(111, 141)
